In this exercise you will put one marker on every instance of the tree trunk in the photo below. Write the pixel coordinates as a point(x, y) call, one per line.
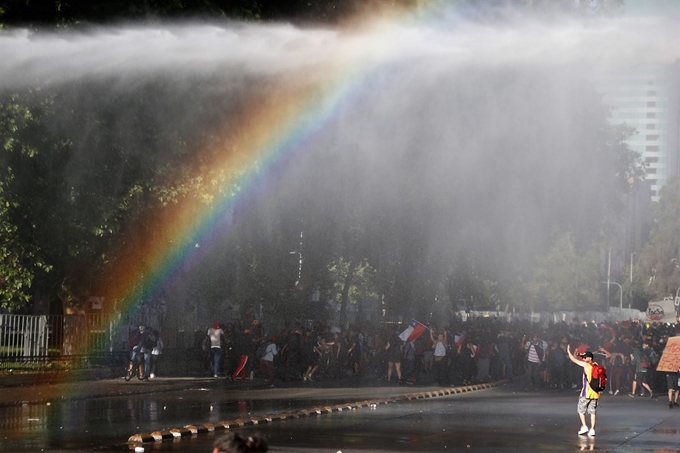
point(347, 284)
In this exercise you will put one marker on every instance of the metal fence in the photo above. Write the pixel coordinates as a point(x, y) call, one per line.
point(35, 342)
point(24, 336)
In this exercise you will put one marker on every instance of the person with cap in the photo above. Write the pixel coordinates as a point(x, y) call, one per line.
point(588, 398)
point(215, 334)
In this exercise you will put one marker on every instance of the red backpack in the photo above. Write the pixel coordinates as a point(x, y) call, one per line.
point(598, 378)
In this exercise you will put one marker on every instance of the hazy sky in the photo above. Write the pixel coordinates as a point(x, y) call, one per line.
point(667, 8)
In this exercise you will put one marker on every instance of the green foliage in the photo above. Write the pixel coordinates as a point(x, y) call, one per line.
point(15, 278)
point(635, 293)
point(659, 265)
point(144, 151)
point(19, 260)
point(567, 277)
point(362, 281)
point(467, 285)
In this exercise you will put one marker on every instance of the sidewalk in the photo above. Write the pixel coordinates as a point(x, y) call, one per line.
point(45, 388)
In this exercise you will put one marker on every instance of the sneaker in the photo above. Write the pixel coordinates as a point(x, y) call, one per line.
point(583, 430)
point(304, 378)
point(310, 378)
point(611, 392)
point(632, 395)
point(670, 405)
point(152, 376)
point(591, 433)
point(616, 393)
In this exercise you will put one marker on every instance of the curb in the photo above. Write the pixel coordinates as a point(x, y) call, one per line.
point(188, 431)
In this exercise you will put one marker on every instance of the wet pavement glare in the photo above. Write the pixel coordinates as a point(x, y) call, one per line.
point(493, 420)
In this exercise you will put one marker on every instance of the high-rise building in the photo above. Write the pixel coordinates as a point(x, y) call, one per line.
point(646, 99)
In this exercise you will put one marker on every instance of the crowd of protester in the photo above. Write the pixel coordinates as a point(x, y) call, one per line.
point(474, 351)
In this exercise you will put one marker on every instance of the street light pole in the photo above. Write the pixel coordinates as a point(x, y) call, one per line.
point(620, 292)
point(630, 301)
point(631, 268)
point(298, 252)
point(609, 271)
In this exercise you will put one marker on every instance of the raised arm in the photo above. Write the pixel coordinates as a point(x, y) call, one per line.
point(578, 362)
point(606, 353)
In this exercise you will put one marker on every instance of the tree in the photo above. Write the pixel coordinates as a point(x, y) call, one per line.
point(567, 277)
point(404, 173)
point(20, 258)
point(659, 264)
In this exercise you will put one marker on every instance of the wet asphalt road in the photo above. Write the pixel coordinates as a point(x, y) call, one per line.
point(501, 419)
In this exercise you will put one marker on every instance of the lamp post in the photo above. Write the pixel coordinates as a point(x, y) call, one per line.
point(620, 292)
point(299, 254)
point(609, 272)
point(630, 300)
point(631, 268)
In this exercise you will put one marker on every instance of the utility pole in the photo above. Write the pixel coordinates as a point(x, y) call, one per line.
point(630, 300)
point(609, 272)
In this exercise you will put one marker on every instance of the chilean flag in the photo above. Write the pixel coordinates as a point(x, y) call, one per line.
point(413, 331)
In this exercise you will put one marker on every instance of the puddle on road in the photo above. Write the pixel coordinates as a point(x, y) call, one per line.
point(110, 421)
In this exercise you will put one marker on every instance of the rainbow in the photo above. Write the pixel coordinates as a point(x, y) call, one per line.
point(298, 114)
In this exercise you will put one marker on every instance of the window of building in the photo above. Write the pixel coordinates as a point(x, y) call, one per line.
point(653, 138)
point(651, 126)
point(652, 160)
point(652, 149)
point(651, 104)
point(651, 93)
point(651, 115)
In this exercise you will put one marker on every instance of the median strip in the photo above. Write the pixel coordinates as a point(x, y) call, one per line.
point(189, 431)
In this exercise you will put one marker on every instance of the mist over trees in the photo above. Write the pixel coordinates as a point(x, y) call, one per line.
point(659, 258)
point(435, 179)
